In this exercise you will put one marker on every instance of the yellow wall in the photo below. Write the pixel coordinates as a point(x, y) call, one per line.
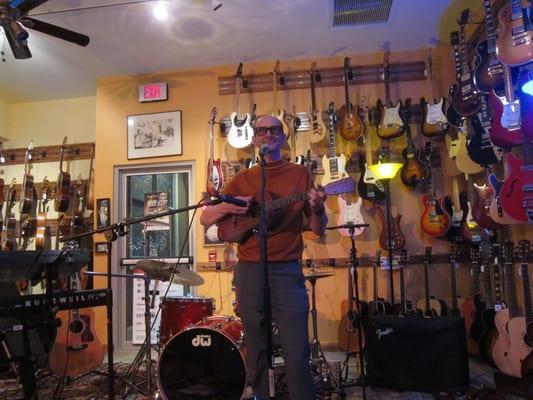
point(4, 118)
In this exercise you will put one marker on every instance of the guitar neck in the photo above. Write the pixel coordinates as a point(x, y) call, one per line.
point(274, 93)
point(528, 309)
point(429, 80)
point(508, 81)
point(457, 60)
point(346, 90)
point(453, 265)
point(313, 95)
point(510, 286)
point(465, 69)
point(238, 82)
point(375, 271)
point(426, 287)
point(285, 201)
point(403, 302)
point(386, 76)
point(487, 285)
point(516, 11)
point(491, 32)
point(332, 148)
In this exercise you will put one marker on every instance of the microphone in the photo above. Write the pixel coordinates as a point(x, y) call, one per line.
point(231, 200)
point(264, 150)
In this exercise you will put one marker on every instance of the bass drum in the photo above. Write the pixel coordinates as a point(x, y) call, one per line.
point(206, 361)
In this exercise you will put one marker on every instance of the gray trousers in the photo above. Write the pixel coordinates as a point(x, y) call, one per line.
point(290, 307)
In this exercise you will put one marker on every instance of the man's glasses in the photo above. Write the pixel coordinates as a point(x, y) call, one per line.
point(274, 130)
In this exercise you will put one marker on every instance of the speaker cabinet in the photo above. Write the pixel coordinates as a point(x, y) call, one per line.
point(413, 353)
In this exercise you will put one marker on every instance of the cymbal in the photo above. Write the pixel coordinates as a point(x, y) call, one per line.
point(185, 276)
point(317, 275)
point(162, 271)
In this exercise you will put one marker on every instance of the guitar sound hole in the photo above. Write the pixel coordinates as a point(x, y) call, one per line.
point(76, 326)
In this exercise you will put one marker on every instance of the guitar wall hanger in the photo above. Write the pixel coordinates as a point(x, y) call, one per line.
point(77, 151)
point(289, 80)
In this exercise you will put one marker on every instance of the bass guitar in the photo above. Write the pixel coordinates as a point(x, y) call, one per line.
point(351, 125)
point(434, 221)
point(390, 123)
point(413, 171)
point(488, 72)
point(350, 214)
point(397, 237)
point(62, 192)
point(378, 306)
point(431, 306)
point(215, 178)
point(335, 180)
point(368, 186)
point(241, 132)
point(506, 127)
point(318, 128)
point(434, 121)
point(514, 45)
point(465, 99)
point(77, 348)
point(480, 147)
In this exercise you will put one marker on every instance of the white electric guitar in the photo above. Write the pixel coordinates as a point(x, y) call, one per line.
point(350, 214)
point(276, 112)
point(434, 121)
point(390, 124)
point(241, 132)
point(334, 165)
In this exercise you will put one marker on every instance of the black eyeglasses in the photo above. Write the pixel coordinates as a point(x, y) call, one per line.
point(274, 130)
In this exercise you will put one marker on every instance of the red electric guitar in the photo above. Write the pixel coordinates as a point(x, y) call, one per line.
point(515, 202)
point(215, 178)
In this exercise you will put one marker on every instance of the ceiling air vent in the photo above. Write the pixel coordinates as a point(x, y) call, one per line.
point(360, 12)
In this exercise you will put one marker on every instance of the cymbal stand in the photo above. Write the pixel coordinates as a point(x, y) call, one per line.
point(357, 317)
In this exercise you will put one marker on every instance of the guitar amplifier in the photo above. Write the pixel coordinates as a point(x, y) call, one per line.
point(420, 354)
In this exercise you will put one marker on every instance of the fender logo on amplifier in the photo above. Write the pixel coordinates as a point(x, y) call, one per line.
point(383, 332)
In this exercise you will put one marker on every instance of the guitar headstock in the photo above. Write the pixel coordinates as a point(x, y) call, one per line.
point(276, 71)
point(377, 258)
point(386, 66)
point(46, 190)
point(454, 253)
point(496, 252)
point(427, 255)
point(404, 257)
point(238, 73)
point(465, 16)
point(315, 73)
point(427, 62)
point(347, 68)
point(11, 192)
point(508, 251)
point(213, 116)
point(474, 253)
point(523, 250)
point(331, 113)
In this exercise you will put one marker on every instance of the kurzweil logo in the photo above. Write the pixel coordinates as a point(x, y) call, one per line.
point(201, 340)
point(383, 332)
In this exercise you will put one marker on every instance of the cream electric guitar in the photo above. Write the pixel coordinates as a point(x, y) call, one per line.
point(350, 214)
point(334, 165)
point(318, 129)
point(390, 123)
point(276, 112)
point(435, 122)
point(241, 132)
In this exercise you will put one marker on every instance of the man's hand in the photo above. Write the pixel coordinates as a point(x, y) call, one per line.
point(235, 209)
point(317, 197)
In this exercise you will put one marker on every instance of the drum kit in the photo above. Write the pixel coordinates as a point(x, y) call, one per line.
point(202, 355)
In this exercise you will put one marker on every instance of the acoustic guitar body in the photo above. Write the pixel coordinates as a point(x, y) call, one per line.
point(62, 194)
point(84, 352)
point(506, 50)
point(502, 347)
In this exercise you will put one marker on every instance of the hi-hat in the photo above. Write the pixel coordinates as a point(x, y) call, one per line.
point(313, 275)
point(163, 271)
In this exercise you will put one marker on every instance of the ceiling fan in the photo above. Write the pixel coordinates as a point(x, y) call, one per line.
point(14, 19)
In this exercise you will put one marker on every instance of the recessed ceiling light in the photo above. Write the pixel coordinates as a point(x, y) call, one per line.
point(160, 11)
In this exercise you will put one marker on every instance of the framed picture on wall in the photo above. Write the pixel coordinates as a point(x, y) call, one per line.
point(103, 209)
point(154, 135)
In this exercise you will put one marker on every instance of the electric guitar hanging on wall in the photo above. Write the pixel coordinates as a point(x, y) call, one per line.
point(434, 121)
point(397, 237)
point(277, 77)
point(240, 132)
point(390, 123)
point(480, 147)
point(42, 232)
point(515, 34)
point(318, 129)
point(350, 214)
point(62, 192)
point(413, 171)
point(351, 125)
point(215, 178)
point(9, 239)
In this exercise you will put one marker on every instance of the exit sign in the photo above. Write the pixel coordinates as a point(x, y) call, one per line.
point(153, 92)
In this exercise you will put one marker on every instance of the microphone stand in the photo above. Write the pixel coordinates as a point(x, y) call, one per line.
point(262, 237)
point(112, 232)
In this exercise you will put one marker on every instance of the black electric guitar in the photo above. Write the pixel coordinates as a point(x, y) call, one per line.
point(378, 306)
point(456, 307)
point(480, 147)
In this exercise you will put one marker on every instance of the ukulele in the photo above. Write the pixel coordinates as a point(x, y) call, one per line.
point(28, 195)
point(434, 121)
point(9, 240)
point(488, 332)
point(430, 305)
point(215, 178)
point(378, 306)
point(350, 324)
point(368, 186)
point(241, 132)
point(506, 127)
point(488, 72)
point(335, 180)
point(62, 192)
point(350, 214)
point(514, 45)
point(466, 98)
point(351, 125)
point(397, 237)
point(42, 232)
point(77, 349)
point(521, 329)
point(502, 346)
point(413, 171)
point(434, 221)
point(480, 147)
point(390, 123)
point(318, 128)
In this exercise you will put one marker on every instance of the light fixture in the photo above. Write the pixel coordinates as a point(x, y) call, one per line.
point(525, 79)
point(215, 4)
point(385, 172)
point(160, 11)
point(527, 87)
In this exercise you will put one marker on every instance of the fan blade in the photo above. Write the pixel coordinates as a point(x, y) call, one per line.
point(56, 31)
point(26, 5)
point(20, 52)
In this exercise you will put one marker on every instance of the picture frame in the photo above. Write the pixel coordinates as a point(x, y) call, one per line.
point(100, 247)
point(211, 236)
point(103, 213)
point(154, 135)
